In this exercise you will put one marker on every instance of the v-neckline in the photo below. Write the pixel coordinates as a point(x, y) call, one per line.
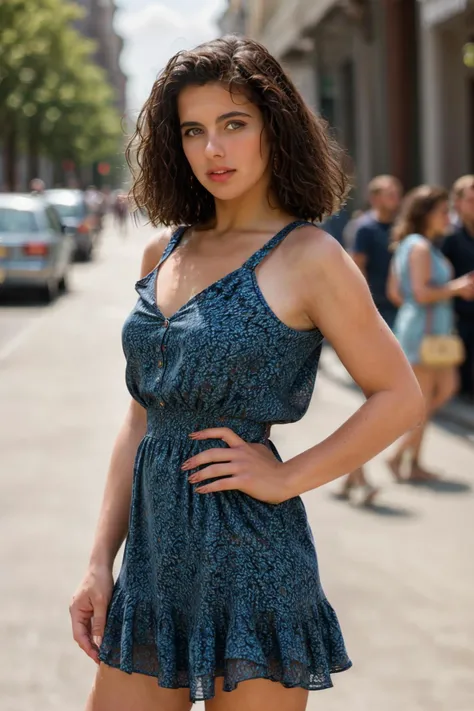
point(175, 242)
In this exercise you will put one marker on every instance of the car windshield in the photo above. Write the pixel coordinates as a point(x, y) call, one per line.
point(12, 220)
point(66, 210)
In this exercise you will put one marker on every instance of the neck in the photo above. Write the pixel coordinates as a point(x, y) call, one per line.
point(469, 227)
point(382, 216)
point(249, 212)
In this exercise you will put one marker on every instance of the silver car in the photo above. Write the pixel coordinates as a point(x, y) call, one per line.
point(35, 248)
point(73, 211)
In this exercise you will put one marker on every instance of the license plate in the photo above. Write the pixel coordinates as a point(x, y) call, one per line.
point(3, 251)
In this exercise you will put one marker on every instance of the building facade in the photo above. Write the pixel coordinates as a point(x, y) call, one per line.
point(234, 18)
point(98, 24)
point(447, 88)
point(388, 75)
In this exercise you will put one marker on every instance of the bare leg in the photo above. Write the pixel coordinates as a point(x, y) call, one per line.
point(258, 695)
point(446, 386)
point(358, 480)
point(411, 442)
point(355, 478)
point(115, 690)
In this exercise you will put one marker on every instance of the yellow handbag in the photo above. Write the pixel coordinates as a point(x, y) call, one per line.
point(440, 351)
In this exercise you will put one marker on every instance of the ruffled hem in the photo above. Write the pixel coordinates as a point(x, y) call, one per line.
point(298, 650)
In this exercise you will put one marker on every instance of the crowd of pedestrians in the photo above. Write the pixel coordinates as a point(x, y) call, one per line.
point(417, 254)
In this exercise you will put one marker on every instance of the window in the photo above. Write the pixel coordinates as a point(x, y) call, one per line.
point(75, 210)
point(15, 221)
point(54, 222)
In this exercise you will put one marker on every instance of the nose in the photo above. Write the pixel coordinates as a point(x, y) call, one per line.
point(214, 148)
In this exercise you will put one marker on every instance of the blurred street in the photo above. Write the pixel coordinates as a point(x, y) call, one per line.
point(400, 575)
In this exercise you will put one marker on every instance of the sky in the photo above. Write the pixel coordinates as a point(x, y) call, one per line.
point(154, 30)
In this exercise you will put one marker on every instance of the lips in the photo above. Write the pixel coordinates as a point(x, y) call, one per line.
point(220, 175)
point(220, 170)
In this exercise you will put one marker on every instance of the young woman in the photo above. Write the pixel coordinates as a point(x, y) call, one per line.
point(421, 283)
point(219, 589)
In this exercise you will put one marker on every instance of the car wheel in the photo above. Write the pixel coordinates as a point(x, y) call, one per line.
point(63, 285)
point(88, 254)
point(49, 292)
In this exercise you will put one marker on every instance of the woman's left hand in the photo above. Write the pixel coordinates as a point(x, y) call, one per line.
point(251, 468)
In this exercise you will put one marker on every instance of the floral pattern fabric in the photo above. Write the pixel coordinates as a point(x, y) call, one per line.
point(221, 584)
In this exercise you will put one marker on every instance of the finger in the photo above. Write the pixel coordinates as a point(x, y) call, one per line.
point(214, 471)
point(224, 433)
point(231, 483)
point(209, 456)
point(81, 635)
point(98, 623)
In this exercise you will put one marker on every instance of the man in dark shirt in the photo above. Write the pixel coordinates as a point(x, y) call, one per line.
point(459, 249)
point(371, 250)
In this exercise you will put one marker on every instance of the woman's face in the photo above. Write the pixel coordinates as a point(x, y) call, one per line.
point(224, 140)
point(437, 222)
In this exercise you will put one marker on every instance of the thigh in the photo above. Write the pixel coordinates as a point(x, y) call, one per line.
point(114, 690)
point(427, 381)
point(447, 383)
point(258, 695)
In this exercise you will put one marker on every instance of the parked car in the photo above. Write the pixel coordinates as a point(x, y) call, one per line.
point(35, 248)
point(74, 213)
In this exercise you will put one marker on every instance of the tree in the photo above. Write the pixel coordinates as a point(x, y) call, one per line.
point(53, 99)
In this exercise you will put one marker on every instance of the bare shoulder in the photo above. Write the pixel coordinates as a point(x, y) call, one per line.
point(420, 247)
point(319, 253)
point(154, 250)
point(329, 282)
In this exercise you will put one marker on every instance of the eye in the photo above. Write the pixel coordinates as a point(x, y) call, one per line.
point(234, 125)
point(189, 132)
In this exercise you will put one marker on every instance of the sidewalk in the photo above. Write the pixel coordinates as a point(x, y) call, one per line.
point(456, 411)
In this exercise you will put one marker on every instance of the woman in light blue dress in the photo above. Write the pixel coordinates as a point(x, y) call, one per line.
point(421, 283)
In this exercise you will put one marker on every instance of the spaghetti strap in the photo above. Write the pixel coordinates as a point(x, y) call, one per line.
point(257, 257)
point(175, 239)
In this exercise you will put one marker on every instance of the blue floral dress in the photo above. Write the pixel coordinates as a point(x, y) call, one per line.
point(221, 584)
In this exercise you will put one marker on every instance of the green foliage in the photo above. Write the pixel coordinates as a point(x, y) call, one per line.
point(49, 85)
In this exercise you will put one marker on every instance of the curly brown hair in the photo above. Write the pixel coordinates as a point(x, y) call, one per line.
point(307, 178)
point(416, 207)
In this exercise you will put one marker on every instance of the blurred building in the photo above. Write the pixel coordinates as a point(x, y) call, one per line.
point(98, 24)
point(390, 76)
point(446, 50)
point(234, 18)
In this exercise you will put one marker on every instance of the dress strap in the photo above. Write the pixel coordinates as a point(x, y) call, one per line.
point(175, 239)
point(257, 257)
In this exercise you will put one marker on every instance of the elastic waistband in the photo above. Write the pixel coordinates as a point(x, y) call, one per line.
point(177, 425)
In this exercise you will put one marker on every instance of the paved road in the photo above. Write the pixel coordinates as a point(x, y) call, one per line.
point(401, 577)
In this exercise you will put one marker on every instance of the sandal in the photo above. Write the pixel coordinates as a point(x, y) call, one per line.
point(420, 474)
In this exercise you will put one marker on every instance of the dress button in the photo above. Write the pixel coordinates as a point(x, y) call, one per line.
point(166, 323)
point(162, 404)
point(160, 364)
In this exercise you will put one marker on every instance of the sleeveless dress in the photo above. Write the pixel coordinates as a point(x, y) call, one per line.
point(412, 320)
point(218, 584)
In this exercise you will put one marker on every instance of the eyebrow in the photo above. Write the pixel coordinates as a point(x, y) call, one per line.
point(224, 117)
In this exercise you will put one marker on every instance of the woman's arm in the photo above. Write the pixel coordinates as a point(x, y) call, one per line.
point(420, 275)
point(393, 288)
point(113, 518)
point(338, 301)
point(89, 605)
